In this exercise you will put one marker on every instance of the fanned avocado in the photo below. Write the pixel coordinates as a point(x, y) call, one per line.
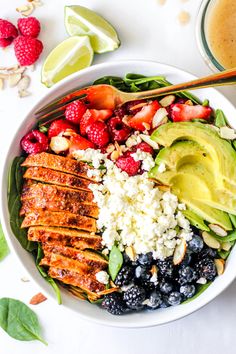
point(195, 220)
point(189, 187)
point(220, 150)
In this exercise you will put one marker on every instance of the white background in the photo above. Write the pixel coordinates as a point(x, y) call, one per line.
point(147, 31)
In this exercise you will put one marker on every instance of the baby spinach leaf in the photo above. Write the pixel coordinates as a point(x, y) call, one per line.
point(205, 103)
point(44, 274)
point(19, 321)
point(230, 237)
point(201, 288)
point(115, 262)
point(220, 119)
point(223, 254)
point(233, 220)
point(4, 250)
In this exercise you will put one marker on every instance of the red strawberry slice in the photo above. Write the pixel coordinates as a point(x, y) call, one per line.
point(79, 143)
point(59, 126)
point(184, 112)
point(144, 116)
point(91, 116)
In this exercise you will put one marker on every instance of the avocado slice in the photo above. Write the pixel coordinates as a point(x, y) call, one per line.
point(195, 220)
point(219, 150)
point(188, 187)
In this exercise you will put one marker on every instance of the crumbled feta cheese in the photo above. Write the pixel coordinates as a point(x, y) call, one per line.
point(161, 167)
point(102, 277)
point(133, 140)
point(134, 212)
point(146, 158)
point(201, 281)
point(90, 155)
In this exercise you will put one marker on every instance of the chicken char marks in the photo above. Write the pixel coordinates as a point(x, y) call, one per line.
point(60, 213)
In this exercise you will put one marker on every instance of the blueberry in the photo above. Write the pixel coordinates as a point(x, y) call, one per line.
point(134, 297)
point(187, 258)
point(196, 244)
point(155, 300)
point(145, 259)
point(187, 290)
point(174, 298)
point(208, 252)
point(164, 303)
point(166, 287)
point(186, 275)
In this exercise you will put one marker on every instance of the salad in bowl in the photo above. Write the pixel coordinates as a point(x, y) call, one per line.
point(131, 209)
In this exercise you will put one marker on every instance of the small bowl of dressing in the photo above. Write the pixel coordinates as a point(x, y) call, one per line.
point(216, 33)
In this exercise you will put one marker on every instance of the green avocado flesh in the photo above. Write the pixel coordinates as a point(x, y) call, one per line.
point(200, 169)
point(195, 220)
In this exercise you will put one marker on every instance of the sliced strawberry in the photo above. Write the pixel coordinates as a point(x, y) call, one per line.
point(79, 143)
point(91, 116)
point(59, 126)
point(144, 116)
point(184, 112)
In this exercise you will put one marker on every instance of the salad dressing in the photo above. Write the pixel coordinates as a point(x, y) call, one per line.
point(221, 32)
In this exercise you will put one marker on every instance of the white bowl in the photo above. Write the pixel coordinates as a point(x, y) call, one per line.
point(85, 309)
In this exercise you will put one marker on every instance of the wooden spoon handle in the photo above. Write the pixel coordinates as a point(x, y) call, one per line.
point(226, 77)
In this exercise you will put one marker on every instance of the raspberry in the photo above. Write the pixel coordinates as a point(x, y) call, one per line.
point(118, 130)
point(34, 142)
point(27, 50)
point(120, 111)
point(75, 111)
point(143, 147)
point(128, 164)
point(7, 33)
point(98, 133)
point(29, 27)
point(59, 126)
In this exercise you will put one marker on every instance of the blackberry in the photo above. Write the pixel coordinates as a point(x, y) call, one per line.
point(114, 304)
point(187, 290)
point(125, 276)
point(134, 297)
point(166, 267)
point(196, 244)
point(174, 298)
point(186, 275)
point(155, 300)
point(207, 252)
point(145, 259)
point(164, 304)
point(206, 268)
point(166, 287)
point(187, 258)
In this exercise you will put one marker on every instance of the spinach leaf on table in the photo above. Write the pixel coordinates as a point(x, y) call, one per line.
point(4, 250)
point(19, 321)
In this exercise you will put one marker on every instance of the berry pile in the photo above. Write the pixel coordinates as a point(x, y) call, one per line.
point(171, 286)
point(26, 46)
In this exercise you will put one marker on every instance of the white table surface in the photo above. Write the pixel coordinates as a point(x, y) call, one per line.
point(147, 31)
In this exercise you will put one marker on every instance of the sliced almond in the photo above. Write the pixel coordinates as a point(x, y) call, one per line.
point(37, 3)
point(179, 252)
point(227, 133)
point(201, 281)
point(164, 188)
point(153, 269)
point(189, 103)
point(24, 83)
point(210, 240)
point(23, 93)
point(149, 141)
point(115, 155)
point(220, 265)
point(130, 252)
point(139, 105)
point(118, 148)
point(184, 17)
point(14, 79)
point(160, 117)
point(226, 246)
point(146, 126)
point(218, 230)
point(22, 8)
point(167, 100)
point(59, 144)
point(37, 299)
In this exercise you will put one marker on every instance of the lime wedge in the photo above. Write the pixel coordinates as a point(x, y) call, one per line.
point(81, 21)
point(70, 56)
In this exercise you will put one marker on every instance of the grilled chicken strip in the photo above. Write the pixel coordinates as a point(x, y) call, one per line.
point(58, 163)
point(56, 177)
point(59, 218)
point(49, 192)
point(61, 204)
point(86, 283)
point(65, 237)
point(86, 257)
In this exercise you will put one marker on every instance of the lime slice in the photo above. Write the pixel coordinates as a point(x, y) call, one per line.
point(81, 21)
point(70, 56)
